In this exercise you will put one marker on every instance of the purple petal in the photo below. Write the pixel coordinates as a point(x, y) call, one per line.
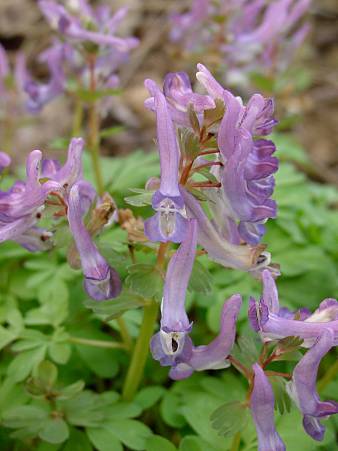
point(5, 161)
point(262, 410)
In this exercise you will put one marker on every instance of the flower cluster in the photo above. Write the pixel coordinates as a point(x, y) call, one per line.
point(251, 35)
point(86, 47)
point(57, 192)
point(193, 127)
point(216, 136)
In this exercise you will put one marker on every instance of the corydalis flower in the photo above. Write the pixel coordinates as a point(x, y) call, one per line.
point(262, 411)
point(172, 345)
point(180, 97)
point(302, 388)
point(101, 281)
point(274, 323)
point(172, 342)
point(169, 223)
point(83, 24)
point(248, 165)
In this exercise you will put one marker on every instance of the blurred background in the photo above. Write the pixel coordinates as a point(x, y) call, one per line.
point(22, 28)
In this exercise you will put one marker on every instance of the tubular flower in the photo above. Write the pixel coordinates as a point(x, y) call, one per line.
point(81, 23)
point(23, 205)
point(169, 223)
point(273, 322)
point(217, 244)
point(248, 165)
point(172, 343)
point(214, 355)
point(5, 161)
point(302, 387)
point(100, 280)
point(262, 411)
point(39, 94)
point(180, 96)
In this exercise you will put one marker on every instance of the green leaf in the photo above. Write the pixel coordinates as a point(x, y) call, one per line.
point(191, 443)
point(23, 364)
point(60, 352)
point(144, 280)
point(141, 199)
point(170, 410)
point(127, 300)
point(101, 362)
point(156, 443)
point(131, 433)
point(200, 279)
point(25, 416)
point(55, 430)
point(282, 400)
point(71, 390)
point(149, 396)
point(46, 373)
point(78, 441)
point(103, 439)
point(230, 418)
point(6, 336)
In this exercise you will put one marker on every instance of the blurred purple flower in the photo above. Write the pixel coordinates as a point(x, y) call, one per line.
point(262, 411)
point(83, 24)
point(169, 223)
point(302, 387)
point(274, 323)
point(101, 281)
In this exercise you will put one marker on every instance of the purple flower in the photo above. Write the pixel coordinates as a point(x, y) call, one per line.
point(214, 355)
point(172, 342)
point(302, 387)
point(83, 24)
point(5, 161)
point(172, 345)
point(101, 281)
point(39, 94)
point(274, 323)
point(169, 223)
point(181, 23)
point(179, 95)
point(248, 165)
point(216, 238)
point(262, 411)
point(23, 205)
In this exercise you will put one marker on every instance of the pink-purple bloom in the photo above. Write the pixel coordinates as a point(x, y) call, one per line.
point(100, 280)
point(81, 23)
point(169, 223)
point(274, 323)
point(262, 410)
point(302, 387)
point(172, 345)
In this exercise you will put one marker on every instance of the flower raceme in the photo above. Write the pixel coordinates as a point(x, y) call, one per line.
point(56, 189)
point(242, 171)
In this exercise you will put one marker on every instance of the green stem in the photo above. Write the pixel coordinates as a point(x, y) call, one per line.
point(236, 442)
point(96, 343)
point(94, 128)
point(78, 118)
point(328, 377)
point(140, 354)
point(126, 338)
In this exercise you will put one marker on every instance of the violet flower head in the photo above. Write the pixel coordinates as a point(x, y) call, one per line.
point(214, 355)
point(183, 23)
point(248, 165)
point(100, 280)
point(5, 161)
point(262, 411)
point(39, 94)
point(169, 223)
point(274, 323)
point(302, 387)
point(172, 343)
point(81, 23)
